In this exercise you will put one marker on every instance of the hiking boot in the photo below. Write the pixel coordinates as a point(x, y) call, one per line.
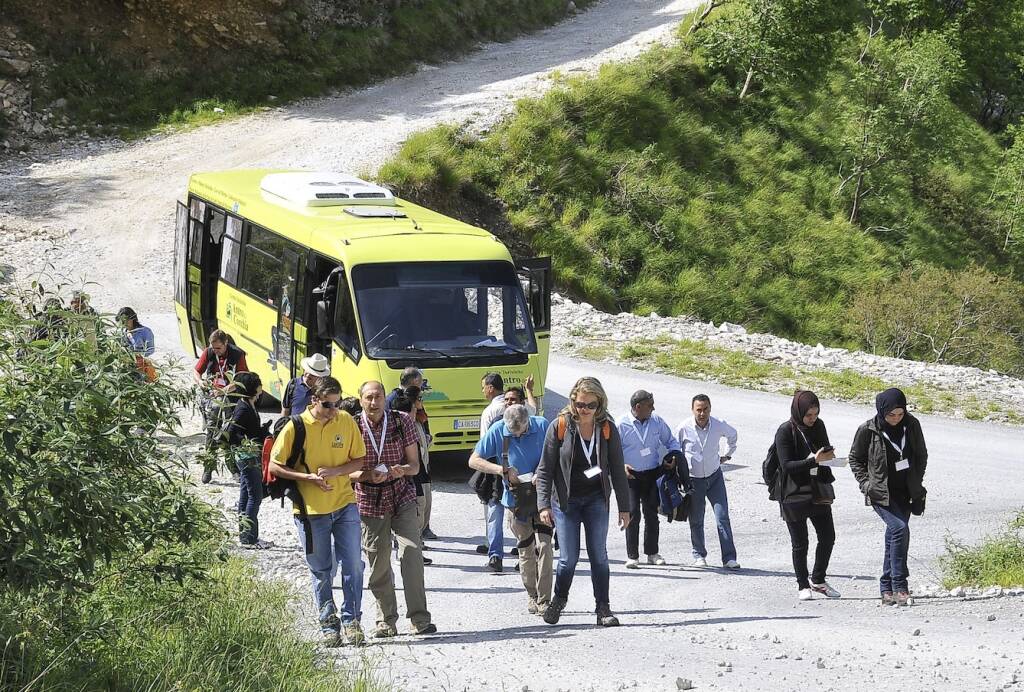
point(605, 617)
point(429, 535)
point(554, 610)
point(888, 599)
point(531, 606)
point(495, 564)
point(330, 639)
point(825, 589)
point(903, 598)
point(632, 563)
point(354, 634)
point(429, 628)
point(482, 549)
point(207, 476)
point(384, 631)
point(655, 559)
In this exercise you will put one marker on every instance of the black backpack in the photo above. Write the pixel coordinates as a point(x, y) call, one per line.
point(770, 472)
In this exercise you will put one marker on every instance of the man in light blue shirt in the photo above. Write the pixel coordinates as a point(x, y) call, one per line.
point(702, 436)
point(643, 434)
point(524, 435)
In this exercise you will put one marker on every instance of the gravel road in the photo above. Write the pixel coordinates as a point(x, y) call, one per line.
point(108, 208)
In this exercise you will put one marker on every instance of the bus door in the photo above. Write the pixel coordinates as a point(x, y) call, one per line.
point(284, 341)
point(537, 281)
point(198, 233)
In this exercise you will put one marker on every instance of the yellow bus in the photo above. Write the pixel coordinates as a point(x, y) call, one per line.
point(290, 263)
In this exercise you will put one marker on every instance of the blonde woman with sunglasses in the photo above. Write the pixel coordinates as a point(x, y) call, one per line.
point(581, 464)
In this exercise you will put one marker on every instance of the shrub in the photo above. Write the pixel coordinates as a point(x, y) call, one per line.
point(997, 561)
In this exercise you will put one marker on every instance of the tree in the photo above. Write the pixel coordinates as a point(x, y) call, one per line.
point(773, 40)
point(84, 481)
point(899, 94)
point(1008, 198)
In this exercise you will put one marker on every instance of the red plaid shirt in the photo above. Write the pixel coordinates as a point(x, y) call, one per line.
point(380, 500)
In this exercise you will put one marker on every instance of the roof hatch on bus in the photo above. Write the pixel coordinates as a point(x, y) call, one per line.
point(324, 190)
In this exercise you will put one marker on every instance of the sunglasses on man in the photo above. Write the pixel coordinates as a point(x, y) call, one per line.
point(330, 404)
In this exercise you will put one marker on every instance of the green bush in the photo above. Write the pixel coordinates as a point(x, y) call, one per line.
point(997, 561)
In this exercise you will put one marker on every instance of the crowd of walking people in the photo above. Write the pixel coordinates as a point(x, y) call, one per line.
point(357, 471)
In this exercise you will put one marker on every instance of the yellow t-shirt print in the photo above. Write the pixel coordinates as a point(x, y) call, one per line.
point(338, 442)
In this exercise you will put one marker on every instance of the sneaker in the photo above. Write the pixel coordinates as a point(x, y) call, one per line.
point(531, 606)
point(482, 549)
point(427, 561)
point(731, 564)
point(903, 598)
point(632, 563)
point(554, 610)
point(429, 535)
point(354, 634)
point(330, 639)
point(655, 559)
point(429, 628)
point(825, 589)
point(605, 617)
point(384, 631)
point(805, 594)
point(699, 562)
point(495, 564)
point(888, 599)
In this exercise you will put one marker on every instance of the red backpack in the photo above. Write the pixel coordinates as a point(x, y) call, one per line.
point(273, 486)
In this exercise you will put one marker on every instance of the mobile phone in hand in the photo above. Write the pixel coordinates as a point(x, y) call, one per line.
point(827, 448)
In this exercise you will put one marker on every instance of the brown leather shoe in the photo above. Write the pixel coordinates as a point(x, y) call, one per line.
point(903, 599)
point(888, 598)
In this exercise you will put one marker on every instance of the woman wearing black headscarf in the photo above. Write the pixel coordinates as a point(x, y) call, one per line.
point(888, 459)
point(805, 491)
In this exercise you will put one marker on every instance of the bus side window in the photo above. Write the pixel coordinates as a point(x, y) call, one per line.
point(345, 320)
point(232, 250)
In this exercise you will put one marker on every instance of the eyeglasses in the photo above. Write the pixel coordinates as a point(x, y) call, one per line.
point(587, 405)
point(331, 404)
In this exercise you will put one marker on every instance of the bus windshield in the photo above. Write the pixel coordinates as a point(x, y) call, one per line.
point(448, 309)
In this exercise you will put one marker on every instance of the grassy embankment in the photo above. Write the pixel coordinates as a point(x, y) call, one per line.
point(996, 561)
point(654, 187)
point(123, 91)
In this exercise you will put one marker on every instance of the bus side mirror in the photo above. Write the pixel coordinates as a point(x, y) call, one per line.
point(323, 320)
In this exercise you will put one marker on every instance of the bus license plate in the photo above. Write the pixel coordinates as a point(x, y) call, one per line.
point(467, 424)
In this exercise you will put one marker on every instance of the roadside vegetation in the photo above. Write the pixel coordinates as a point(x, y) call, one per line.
point(702, 361)
point(996, 561)
point(845, 173)
point(110, 70)
point(113, 575)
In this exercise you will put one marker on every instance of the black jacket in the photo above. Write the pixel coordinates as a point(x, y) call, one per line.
point(555, 465)
point(795, 465)
point(244, 424)
point(868, 461)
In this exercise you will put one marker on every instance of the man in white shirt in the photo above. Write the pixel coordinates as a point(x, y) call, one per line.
point(701, 438)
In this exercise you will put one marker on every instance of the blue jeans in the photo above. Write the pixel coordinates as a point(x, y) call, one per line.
point(250, 495)
point(590, 511)
point(711, 488)
point(336, 540)
point(897, 545)
point(495, 534)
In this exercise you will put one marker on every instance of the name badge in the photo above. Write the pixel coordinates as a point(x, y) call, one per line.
point(645, 452)
point(902, 465)
point(592, 472)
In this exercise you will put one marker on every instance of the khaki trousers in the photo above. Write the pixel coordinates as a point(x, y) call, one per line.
point(535, 558)
point(406, 526)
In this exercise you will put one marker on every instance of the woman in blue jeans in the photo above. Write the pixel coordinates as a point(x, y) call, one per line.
point(888, 459)
point(245, 439)
point(581, 464)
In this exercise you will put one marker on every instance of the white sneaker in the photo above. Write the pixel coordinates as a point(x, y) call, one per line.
point(655, 559)
point(805, 594)
point(632, 564)
point(825, 590)
point(732, 564)
point(699, 562)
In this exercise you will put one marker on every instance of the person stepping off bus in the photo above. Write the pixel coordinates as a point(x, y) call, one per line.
point(298, 393)
point(387, 505)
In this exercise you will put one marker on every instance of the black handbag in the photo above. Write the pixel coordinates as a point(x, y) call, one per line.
point(822, 490)
point(483, 485)
point(525, 494)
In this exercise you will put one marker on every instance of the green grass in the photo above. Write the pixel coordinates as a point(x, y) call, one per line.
point(702, 361)
point(128, 94)
point(996, 561)
point(233, 631)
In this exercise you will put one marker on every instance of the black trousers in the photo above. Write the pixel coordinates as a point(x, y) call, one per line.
point(643, 496)
point(821, 517)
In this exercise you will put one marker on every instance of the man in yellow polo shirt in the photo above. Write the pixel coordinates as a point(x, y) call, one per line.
point(333, 449)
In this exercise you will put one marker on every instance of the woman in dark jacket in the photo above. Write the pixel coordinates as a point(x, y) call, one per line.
point(805, 491)
point(245, 440)
point(889, 459)
point(581, 464)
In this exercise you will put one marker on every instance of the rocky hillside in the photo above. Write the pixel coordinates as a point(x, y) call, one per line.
point(108, 64)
